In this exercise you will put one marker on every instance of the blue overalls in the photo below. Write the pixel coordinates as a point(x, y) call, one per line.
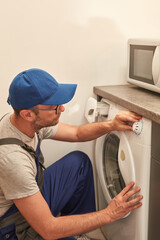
point(67, 187)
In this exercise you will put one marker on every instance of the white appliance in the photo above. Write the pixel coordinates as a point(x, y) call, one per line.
point(144, 63)
point(121, 157)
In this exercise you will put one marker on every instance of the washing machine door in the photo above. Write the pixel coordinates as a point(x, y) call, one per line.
point(114, 163)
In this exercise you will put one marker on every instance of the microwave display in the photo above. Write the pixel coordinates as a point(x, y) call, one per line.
point(141, 58)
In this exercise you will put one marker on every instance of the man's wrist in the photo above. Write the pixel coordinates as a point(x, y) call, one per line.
point(104, 217)
point(110, 126)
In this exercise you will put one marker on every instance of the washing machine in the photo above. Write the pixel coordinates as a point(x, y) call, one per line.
point(121, 157)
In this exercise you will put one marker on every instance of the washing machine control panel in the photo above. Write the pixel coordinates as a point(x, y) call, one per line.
point(138, 127)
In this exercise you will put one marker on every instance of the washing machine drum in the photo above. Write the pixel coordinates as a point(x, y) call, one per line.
point(114, 163)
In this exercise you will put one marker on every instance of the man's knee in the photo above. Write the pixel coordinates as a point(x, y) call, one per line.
point(76, 162)
point(82, 163)
point(79, 158)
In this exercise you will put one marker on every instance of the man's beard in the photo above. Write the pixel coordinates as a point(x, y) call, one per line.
point(37, 126)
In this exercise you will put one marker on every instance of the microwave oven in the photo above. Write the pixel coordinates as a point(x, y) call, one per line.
point(143, 67)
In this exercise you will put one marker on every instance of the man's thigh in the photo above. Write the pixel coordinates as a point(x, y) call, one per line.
point(68, 183)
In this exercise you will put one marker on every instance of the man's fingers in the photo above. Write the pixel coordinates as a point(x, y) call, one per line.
point(133, 117)
point(135, 201)
point(138, 205)
point(131, 193)
point(135, 114)
point(127, 188)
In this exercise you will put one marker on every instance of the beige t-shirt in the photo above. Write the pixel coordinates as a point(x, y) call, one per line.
point(17, 167)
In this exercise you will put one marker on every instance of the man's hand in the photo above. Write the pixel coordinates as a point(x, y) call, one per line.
point(122, 204)
point(120, 121)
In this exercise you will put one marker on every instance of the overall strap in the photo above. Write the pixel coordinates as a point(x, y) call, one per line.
point(3, 116)
point(6, 141)
point(39, 162)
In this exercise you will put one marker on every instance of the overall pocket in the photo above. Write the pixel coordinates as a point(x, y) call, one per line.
point(8, 233)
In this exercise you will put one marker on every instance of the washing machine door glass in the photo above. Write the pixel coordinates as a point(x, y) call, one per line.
point(112, 174)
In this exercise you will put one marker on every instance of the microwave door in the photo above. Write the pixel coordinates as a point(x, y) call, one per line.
point(141, 58)
point(156, 67)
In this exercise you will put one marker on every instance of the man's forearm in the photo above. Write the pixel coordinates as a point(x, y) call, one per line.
point(37, 213)
point(93, 130)
point(119, 206)
point(76, 224)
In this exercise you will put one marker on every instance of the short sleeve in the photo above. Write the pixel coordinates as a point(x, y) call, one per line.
point(48, 132)
point(17, 175)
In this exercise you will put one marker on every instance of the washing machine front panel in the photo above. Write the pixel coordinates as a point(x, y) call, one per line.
point(113, 156)
point(135, 225)
point(136, 148)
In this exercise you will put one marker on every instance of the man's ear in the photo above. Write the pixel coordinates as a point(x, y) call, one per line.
point(27, 115)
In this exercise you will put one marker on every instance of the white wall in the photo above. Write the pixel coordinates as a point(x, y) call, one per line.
point(80, 41)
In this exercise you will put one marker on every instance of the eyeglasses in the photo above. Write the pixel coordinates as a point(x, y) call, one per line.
point(48, 109)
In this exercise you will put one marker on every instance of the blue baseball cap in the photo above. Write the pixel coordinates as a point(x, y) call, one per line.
point(36, 86)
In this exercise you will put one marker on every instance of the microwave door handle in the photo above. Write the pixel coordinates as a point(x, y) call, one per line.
point(156, 67)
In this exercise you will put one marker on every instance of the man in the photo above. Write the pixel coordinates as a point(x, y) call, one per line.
point(59, 201)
